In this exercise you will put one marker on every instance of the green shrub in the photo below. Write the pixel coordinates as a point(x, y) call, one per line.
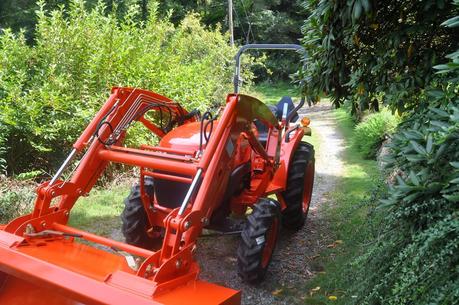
point(416, 254)
point(414, 258)
point(359, 49)
point(16, 199)
point(373, 130)
point(2, 153)
point(50, 91)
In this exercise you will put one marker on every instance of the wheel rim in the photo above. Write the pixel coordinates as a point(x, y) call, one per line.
point(308, 184)
point(271, 238)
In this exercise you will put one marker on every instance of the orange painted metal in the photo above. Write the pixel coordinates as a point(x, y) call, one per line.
point(188, 152)
point(62, 271)
point(147, 161)
point(68, 272)
point(183, 137)
point(104, 241)
point(150, 153)
point(167, 177)
point(201, 293)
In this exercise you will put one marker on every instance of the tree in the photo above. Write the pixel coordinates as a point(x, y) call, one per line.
point(370, 51)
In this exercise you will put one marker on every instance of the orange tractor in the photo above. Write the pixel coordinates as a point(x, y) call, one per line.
point(204, 170)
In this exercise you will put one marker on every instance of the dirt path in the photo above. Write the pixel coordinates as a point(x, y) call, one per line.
point(293, 261)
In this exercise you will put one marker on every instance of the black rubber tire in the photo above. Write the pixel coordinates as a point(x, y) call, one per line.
point(293, 216)
point(254, 239)
point(134, 217)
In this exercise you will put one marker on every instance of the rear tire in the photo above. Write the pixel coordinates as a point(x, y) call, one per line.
point(134, 217)
point(300, 181)
point(258, 240)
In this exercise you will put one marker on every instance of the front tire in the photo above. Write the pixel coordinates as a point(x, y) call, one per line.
point(258, 240)
point(134, 217)
point(298, 192)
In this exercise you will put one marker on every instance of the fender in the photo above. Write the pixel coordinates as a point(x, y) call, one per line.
point(287, 150)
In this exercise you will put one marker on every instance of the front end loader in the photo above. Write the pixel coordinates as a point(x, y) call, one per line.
point(247, 160)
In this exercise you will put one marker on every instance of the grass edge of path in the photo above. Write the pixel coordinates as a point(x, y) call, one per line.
point(347, 219)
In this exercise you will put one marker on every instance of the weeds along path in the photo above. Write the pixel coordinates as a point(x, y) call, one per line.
point(294, 259)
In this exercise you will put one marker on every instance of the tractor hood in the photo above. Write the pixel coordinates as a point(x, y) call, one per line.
point(185, 137)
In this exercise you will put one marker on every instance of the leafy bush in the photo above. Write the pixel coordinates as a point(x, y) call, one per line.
point(16, 198)
point(414, 255)
point(373, 130)
point(50, 91)
point(360, 48)
point(2, 153)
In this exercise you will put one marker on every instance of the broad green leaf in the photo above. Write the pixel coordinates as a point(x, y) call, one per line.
point(366, 5)
point(452, 22)
point(414, 178)
point(454, 197)
point(386, 203)
point(357, 10)
point(429, 143)
point(412, 197)
point(439, 112)
point(418, 148)
point(438, 94)
point(440, 151)
point(400, 180)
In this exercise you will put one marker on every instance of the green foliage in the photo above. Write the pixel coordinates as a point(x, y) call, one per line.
point(50, 91)
point(255, 21)
point(15, 199)
point(360, 48)
point(415, 256)
point(2, 151)
point(21, 14)
point(271, 93)
point(373, 130)
point(351, 220)
point(28, 175)
point(408, 245)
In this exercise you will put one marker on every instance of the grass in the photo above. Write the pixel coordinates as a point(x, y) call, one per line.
point(347, 218)
point(99, 213)
point(271, 93)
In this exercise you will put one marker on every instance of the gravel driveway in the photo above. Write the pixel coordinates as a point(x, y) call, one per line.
point(293, 261)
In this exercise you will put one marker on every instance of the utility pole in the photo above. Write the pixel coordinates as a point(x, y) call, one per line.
point(230, 22)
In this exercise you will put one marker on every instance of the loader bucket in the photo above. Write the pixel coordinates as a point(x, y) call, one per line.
point(60, 270)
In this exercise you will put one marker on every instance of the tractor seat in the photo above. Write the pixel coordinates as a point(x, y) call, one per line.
point(262, 132)
point(277, 111)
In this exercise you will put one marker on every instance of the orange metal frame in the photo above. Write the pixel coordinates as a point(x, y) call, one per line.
point(233, 142)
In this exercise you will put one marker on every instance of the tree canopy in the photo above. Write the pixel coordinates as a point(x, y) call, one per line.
point(255, 21)
point(376, 51)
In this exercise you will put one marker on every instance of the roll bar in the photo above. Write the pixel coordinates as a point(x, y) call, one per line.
point(265, 46)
